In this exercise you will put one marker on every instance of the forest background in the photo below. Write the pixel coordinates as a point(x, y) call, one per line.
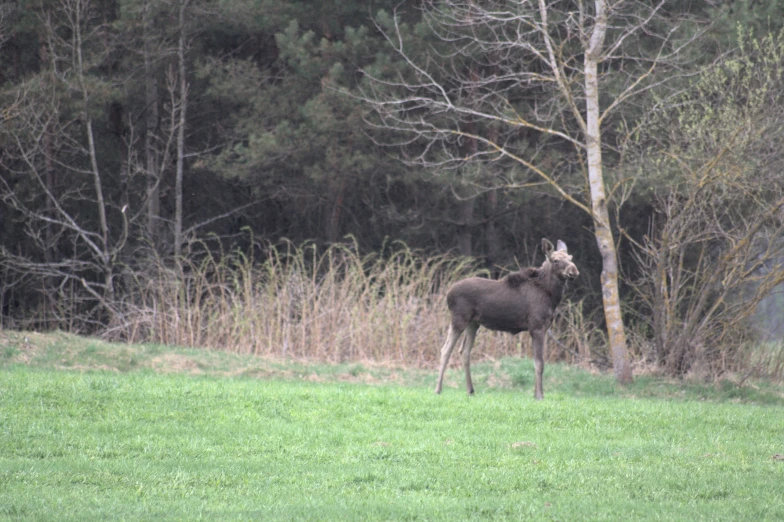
point(216, 173)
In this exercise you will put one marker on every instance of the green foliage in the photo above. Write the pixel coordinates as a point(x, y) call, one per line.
point(729, 102)
point(749, 16)
point(735, 105)
point(292, 122)
point(85, 446)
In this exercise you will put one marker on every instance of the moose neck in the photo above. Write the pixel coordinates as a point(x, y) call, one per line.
point(553, 285)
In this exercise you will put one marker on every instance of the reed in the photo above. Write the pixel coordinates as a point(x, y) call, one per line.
point(304, 302)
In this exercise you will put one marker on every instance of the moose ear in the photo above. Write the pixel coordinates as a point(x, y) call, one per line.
point(547, 247)
point(561, 246)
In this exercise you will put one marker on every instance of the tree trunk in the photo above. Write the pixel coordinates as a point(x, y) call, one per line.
point(616, 334)
point(334, 210)
point(661, 303)
point(180, 135)
point(151, 122)
point(104, 254)
point(465, 207)
point(49, 235)
point(491, 231)
point(466, 219)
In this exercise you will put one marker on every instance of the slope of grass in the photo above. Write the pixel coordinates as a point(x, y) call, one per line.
point(60, 350)
point(104, 444)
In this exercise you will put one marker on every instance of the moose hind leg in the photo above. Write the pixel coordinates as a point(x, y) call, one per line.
point(465, 351)
point(446, 352)
point(537, 338)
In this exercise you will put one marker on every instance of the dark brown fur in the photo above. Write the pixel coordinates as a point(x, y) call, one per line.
point(517, 279)
point(521, 301)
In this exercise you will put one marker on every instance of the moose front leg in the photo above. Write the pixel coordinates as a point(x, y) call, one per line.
point(537, 338)
point(465, 351)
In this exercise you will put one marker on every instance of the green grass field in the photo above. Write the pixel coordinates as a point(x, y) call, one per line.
point(204, 440)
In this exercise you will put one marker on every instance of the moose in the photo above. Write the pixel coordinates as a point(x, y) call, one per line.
point(521, 301)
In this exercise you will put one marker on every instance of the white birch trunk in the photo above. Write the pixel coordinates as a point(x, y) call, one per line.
point(616, 334)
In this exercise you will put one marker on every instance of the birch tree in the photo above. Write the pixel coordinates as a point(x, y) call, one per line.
point(536, 85)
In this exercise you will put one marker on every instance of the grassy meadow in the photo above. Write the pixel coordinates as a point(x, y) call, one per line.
point(92, 430)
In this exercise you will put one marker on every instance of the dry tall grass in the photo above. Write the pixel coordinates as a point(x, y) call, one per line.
point(332, 305)
point(301, 302)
